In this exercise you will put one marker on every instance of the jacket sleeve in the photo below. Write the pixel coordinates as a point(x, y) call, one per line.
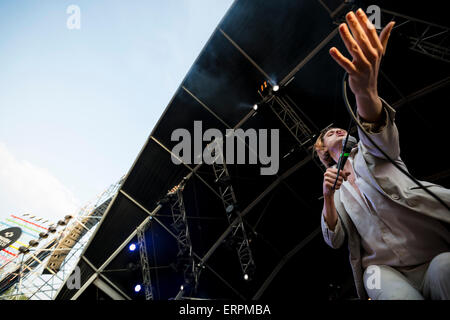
point(383, 133)
point(335, 238)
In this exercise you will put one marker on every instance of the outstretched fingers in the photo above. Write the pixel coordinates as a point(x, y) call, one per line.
point(363, 43)
point(345, 63)
point(352, 46)
point(361, 37)
point(385, 34)
point(370, 30)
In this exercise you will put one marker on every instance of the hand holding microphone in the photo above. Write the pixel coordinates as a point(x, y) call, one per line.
point(332, 182)
point(347, 145)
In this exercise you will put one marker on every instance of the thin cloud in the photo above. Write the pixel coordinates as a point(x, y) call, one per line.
point(26, 188)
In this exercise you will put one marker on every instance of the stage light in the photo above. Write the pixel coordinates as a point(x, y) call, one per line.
point(33, 243)
point(182, 288)
point(43, 235)
point(255, 107)
point(229, 208)
point(245, 277)
point(23, 250)
point(132, 247)
point(137, 288)
point(276, 88)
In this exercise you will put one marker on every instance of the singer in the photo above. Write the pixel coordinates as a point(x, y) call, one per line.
point(391, 225)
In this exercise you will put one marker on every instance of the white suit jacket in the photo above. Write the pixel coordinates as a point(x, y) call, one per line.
point(370, 165)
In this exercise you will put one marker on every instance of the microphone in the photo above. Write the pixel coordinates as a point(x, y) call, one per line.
point(347, 145)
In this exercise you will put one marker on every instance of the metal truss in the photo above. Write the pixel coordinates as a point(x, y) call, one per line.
point(239, 238)
point(153, 215)
point(37, 278)
point(144, 262)
point(281, 105)
point(32, 284)
point(424, 37)
point(185, 258)
point(295, 125)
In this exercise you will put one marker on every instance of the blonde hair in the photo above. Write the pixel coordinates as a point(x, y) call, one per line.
point(319, 149)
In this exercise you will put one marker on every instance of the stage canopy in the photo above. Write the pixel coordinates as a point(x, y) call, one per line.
point(283, 43)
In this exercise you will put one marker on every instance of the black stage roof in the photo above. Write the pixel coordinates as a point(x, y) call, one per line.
point(282, 42)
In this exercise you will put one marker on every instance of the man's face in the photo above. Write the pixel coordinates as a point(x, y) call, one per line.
point(333, 139)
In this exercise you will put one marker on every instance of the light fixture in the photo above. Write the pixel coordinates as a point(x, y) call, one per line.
point(229, 208)
point(132, 247)
point(255, 107)
point(276, 88)
point(23, 250)
point(137, 288)
point(245, 277)
point(182, 288)
point(33, 243)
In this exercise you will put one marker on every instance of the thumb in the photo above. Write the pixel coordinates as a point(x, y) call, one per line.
point(385, 34)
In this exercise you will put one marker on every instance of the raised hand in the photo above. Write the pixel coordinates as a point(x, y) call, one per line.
point(366, 49)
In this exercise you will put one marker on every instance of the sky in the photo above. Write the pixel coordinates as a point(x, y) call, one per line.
point(77, 105)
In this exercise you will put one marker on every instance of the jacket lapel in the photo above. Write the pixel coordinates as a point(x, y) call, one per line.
point(354, 245)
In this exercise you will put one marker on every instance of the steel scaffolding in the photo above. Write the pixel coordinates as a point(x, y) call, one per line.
point(427, 38)
point(144, 262)
point(238, 238)
point(37, 277)
point(185, 258)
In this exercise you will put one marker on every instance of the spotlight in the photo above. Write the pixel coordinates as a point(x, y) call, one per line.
point(245, 277)
point(23, 250)
point(132, 247)
point(137, 288)
point(33, 243)
point(255, 107)
point(276, 88)
point(182, 288)
point(43, 235)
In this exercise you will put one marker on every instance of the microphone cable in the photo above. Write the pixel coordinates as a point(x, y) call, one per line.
point(406, 173)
